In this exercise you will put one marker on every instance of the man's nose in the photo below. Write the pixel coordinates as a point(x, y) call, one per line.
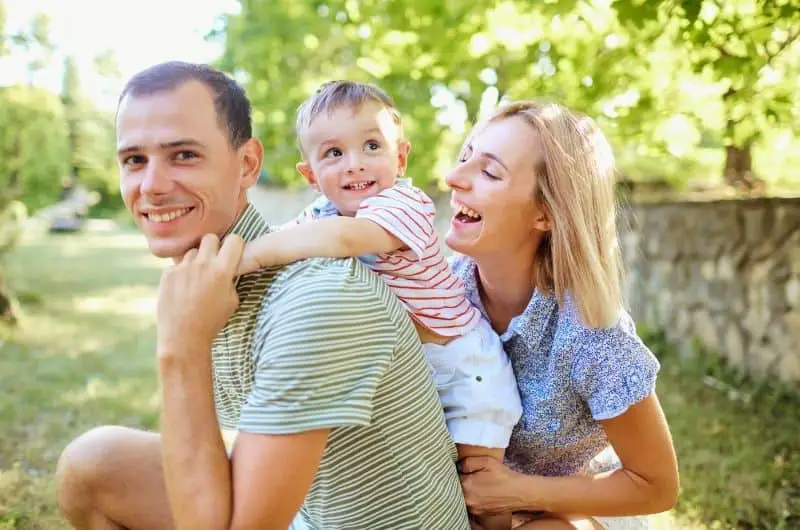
point(157, 180)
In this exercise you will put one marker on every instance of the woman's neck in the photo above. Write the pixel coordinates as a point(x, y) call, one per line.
point(506, 287)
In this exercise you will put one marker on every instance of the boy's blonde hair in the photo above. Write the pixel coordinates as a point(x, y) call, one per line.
point(575, 177)
point(334, 95)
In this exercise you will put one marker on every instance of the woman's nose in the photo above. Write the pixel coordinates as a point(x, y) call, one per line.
point(456, 178)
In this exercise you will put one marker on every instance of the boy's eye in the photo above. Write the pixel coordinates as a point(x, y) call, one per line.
point(333, 151)
point(372, 145)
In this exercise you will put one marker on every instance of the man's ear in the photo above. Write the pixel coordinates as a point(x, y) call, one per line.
point(304, 168)
point(403, 149)
point(252, 160)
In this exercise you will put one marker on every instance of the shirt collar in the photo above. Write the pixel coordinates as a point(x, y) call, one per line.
point(249, 225)
point(539, 306)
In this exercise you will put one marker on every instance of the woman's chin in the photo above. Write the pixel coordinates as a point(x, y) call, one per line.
point(462, 239)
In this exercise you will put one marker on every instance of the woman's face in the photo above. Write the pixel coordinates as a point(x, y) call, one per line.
point(493, 191)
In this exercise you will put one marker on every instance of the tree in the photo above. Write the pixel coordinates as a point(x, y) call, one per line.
point(749, 49)
point(653, 74)
point(91, 133)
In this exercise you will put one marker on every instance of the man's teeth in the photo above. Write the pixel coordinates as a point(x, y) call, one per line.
point(359, 185)
point(167, 217)
point(469, 212)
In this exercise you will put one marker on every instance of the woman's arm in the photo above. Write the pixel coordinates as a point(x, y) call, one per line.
point(647, 482)
point(335, 237)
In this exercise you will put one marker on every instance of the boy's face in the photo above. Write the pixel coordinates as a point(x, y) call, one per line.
point(353, 153)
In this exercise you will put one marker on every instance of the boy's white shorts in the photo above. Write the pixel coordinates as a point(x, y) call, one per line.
point(477, 387)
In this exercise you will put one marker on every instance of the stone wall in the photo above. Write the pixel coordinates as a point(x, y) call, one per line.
point(722, 274)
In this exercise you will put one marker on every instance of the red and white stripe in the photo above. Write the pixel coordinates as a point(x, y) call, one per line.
point(419, 275)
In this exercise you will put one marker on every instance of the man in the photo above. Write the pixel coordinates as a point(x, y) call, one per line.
point(318, 374)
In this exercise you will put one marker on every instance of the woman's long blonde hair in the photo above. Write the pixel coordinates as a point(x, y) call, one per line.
point(575, 177)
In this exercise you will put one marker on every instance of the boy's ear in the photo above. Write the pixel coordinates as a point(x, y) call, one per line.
point(403, 149)
point(304, 168)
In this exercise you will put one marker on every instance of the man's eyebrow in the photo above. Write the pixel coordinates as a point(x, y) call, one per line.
point(182, 142)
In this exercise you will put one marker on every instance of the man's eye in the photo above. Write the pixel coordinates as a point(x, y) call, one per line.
point(134, 160)
point(185, 155)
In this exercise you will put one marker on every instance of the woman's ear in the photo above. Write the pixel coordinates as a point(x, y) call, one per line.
point(542, 220)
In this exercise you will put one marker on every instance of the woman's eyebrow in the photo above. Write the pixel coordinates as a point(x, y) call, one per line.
point(494, 157)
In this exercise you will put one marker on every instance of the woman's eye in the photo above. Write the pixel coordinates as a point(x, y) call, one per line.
point(490, 175)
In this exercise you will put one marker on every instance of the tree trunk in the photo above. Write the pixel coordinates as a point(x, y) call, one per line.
point(8, 313)
point(739, 168)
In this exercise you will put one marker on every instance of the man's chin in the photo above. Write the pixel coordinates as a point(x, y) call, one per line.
point(169, 249)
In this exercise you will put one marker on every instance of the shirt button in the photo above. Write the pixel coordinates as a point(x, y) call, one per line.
point(478, 379)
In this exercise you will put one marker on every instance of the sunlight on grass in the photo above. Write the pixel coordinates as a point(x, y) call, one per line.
point(121, 301)
point(99, 388)
point(85, 356)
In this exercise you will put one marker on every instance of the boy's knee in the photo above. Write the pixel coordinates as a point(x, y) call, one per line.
point(82, 468)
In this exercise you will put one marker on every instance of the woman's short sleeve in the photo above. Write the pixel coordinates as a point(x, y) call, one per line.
point(613, 369)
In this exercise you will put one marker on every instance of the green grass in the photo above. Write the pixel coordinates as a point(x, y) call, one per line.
point(84, 356)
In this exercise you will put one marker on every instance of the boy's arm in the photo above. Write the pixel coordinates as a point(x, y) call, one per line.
point(334, 237)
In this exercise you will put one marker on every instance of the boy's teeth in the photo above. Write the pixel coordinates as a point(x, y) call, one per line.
point(359, 185)
point(166, 217)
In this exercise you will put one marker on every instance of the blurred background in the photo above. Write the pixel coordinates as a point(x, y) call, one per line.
point(700, 101)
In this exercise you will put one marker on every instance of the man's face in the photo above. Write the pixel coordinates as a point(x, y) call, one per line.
point(179, 175)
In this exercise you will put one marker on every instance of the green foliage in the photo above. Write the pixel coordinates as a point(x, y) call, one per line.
point(747, 51)
point(652, 73)
point(33, 145)
point(91, 136)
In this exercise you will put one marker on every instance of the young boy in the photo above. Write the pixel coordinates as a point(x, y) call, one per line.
point(354, 152)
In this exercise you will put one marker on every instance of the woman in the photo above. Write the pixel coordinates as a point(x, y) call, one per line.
point(535, 230)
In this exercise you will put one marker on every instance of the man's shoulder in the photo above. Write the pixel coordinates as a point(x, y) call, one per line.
point(340, 281)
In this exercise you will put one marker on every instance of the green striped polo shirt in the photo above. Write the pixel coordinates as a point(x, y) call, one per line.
point(323, 343)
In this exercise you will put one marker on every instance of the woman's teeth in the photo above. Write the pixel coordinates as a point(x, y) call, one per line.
point(469, 213)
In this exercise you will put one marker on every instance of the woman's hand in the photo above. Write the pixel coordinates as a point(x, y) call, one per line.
point(491, 487)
